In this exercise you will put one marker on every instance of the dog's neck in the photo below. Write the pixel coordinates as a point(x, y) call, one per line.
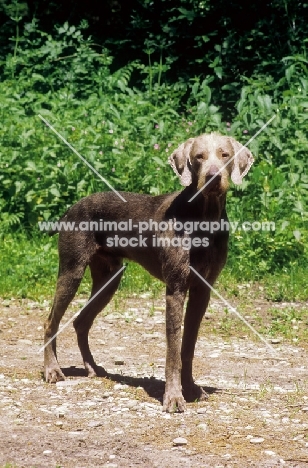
point(213, 206)
point(210, 207)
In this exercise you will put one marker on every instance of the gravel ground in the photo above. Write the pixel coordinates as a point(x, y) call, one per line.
point(256, 414)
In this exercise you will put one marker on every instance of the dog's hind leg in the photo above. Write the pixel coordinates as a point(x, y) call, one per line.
point(68, 281)
point(102, 270)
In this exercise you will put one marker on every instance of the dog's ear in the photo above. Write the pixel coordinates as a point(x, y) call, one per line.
point(242, 161)
point(180, 162)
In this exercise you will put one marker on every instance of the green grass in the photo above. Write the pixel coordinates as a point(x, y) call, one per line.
point(28, 266)
point(289, 322)
point(282, 286)
point(281, 322)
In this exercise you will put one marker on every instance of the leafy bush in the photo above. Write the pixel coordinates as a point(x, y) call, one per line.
point(278, 185)
point(126, 134)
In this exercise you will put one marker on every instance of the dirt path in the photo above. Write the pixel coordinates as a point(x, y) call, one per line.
point(256, 415)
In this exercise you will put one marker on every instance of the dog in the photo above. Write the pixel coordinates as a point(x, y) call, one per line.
point(176, 241)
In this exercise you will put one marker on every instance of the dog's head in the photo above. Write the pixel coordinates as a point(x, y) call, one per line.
point(208, 160)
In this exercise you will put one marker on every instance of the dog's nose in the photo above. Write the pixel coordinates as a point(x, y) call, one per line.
point(213, 171)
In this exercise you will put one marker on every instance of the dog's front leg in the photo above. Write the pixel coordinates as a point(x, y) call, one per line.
point(173, 397)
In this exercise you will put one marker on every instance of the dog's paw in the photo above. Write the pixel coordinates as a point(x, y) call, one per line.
point(173, 403)
point(53, 374)
point(194, 393)
point(95, 371)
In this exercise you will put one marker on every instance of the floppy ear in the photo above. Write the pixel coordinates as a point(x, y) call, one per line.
point(180, 162)
point(241, 163)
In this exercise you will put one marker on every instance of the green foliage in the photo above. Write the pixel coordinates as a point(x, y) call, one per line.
point(222, 41)
point(127, 133)
point(124, 133)
point(278, 185)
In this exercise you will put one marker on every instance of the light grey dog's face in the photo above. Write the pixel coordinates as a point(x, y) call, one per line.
point(208, 155)
point(208, 161)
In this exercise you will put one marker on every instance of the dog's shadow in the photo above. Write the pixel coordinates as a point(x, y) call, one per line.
point(154, 387)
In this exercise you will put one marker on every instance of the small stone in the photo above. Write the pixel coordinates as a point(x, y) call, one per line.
point(203, 426)
point(305, 409)
point(119, 386)
point(179, 441)
point(276, 340)
point(59, 424)
point(47, 452)
point(145, 295)
point(256, 440)
point(139, 320)
point(201, 410)
point(208, 316)
point(270, 453)
point(95, 424)
point(131, 404)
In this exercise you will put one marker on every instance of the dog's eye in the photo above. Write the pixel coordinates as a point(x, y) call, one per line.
point(225, 155)
point(199, 156)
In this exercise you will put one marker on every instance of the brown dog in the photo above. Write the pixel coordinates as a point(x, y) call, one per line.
point(178, 238)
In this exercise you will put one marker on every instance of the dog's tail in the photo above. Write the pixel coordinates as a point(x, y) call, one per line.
point(55, 227)
point(52, 232)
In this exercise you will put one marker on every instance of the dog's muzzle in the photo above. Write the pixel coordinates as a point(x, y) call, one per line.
point(212, 179)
